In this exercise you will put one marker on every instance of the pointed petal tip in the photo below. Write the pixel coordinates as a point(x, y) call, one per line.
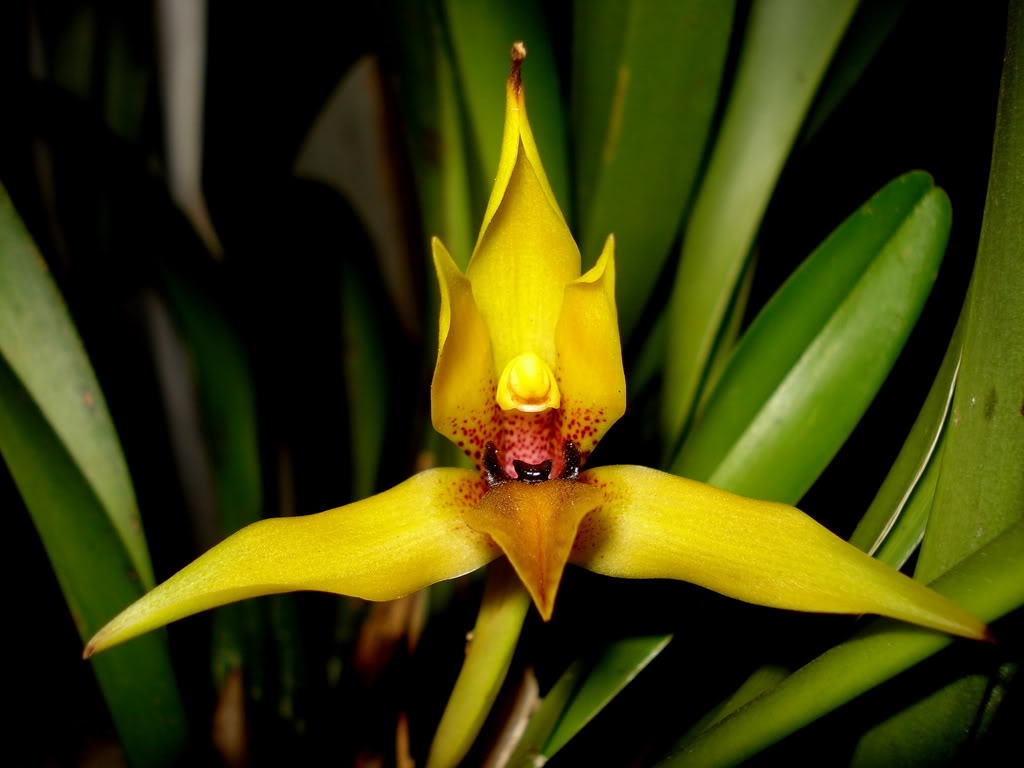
point(546, 609)
point(89, 650)
point(517, 54)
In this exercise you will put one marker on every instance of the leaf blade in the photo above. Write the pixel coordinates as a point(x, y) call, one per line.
point(785, 52)
point(838, 341)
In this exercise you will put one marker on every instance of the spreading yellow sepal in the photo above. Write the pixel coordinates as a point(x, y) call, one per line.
point(381, 548)
point(535, 526)
point(655, 525)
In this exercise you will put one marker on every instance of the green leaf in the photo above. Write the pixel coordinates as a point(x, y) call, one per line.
point(787, 46)
point(763, 679)
point(366, 378)
point(481, 34)
point(224, 384)
point(543, 721)
point(613, 670)
point(646, 82)
point(812, 361)
point(42, 348)
point(488, 657)
point(980, 490)
point(434, 129)
point(990, 584)
point(60, 445)
point(894, 523)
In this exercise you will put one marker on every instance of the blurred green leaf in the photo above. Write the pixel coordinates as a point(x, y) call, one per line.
point(787, 46)
point(763, 679)
point(545, 718)
point(366, 377)
point(440, 147)
point(481, 33)
point(726, 346)
point(613, 670)
point(435, 132)
point(869, 29)
point(488, 656)
point(647, 77)
point(60, 445)
point(223, 380)
point(812, 361)
point(990, 584)
point(980, 490)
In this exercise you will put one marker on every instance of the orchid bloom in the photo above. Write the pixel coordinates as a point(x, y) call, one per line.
point(528, 379)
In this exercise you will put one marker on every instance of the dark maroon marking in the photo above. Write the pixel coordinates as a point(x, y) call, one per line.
point(495, 474)
point(532, 473)
point(571, 461)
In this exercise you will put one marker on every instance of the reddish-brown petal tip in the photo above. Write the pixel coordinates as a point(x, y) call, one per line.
point(518, 53)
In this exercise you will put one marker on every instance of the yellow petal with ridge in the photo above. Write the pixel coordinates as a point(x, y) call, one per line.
point(381, 548)
point(655, 525)
point(525, 254)
point(535, 525)
point(462, 404)
point(589, 355)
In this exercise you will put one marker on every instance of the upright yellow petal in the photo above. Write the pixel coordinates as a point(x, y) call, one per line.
point(656, 525)
point(462, 404)
point(381, 548)
point(589, 356)
point(525, 254)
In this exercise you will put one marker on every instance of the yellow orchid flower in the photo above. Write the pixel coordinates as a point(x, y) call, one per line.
point(528, 379)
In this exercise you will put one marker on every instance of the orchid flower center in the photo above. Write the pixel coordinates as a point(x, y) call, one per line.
point(531, 474)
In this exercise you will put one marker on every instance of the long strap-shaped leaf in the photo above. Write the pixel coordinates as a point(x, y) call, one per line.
point(787, 47)
point(821, 348)
point(980, 489)
point(60, 445)
point(646, 81)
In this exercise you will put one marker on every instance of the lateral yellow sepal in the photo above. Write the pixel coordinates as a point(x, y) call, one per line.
point(381, 548)
point(655, 525)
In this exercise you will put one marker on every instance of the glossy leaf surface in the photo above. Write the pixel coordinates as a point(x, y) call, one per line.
point(813, 359)
point(786, 48)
